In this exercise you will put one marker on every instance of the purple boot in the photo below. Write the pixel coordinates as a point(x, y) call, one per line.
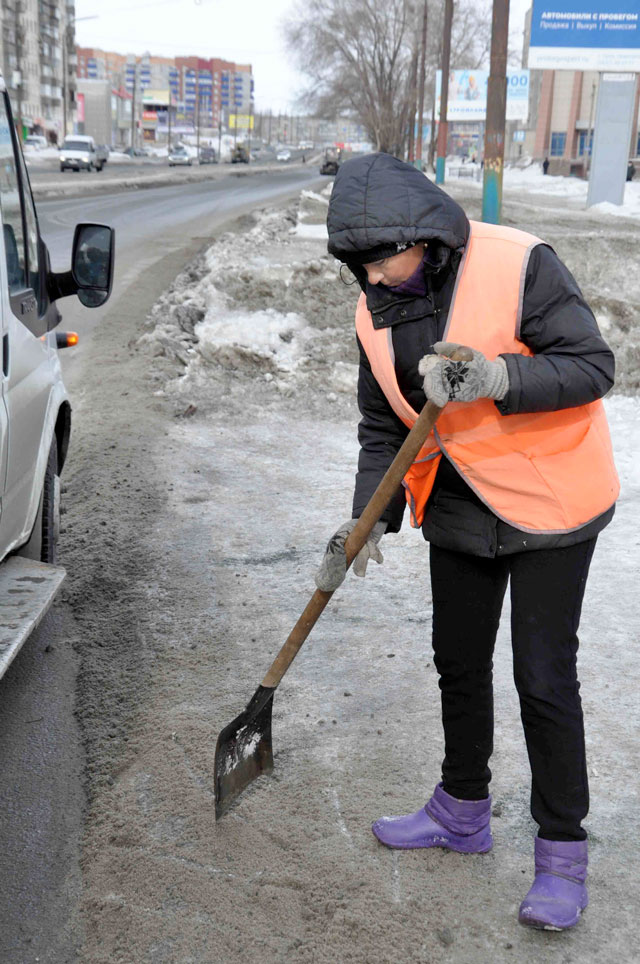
point(461, 825)
point(558, 894)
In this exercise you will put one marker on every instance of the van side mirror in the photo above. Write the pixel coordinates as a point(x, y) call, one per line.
point(92, 263)
point(91, 275)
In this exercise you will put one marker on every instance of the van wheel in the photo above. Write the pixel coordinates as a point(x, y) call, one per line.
point(43, 544)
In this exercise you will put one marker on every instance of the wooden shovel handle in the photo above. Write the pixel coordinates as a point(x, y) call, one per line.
point(362, 530)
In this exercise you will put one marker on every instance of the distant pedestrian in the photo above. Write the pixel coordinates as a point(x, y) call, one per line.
point(631, 171)
point(545, 166)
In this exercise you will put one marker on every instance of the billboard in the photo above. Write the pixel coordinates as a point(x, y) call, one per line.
point(585, 35)
point(241, 121)
point(468, 95)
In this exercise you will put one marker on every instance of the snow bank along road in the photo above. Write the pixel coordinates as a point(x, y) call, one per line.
point(214, 453)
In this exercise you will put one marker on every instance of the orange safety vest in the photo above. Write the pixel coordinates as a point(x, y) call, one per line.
point(545, 472)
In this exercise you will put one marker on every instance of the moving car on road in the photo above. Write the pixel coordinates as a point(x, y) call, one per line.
point(330, 163)
point(283, 155)
point(178, 155)
point(102, 155)
point(78, 153)
point(36, 141)
point(35, 414)
point(207, 155)
point(240, 155)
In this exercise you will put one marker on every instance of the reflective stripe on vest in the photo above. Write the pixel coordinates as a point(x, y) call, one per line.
point(545, 472)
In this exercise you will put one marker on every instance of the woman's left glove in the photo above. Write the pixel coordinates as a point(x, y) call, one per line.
point(333, 567)
point(446, 380)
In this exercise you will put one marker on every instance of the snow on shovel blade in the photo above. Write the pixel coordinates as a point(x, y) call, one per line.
point(243, 750)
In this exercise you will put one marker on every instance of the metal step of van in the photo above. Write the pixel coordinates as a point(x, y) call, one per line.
point(27, 589)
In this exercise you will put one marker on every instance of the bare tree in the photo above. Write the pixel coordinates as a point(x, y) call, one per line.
point(359, 56)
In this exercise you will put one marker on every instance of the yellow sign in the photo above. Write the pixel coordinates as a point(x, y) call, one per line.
point(241, 121)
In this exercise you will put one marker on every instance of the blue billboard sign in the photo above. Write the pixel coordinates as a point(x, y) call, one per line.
point(585, 35)
point(467, 97)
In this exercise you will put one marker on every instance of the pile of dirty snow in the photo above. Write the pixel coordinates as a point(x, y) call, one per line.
point(266, 305)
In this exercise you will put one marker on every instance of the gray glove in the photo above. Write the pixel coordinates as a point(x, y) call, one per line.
point(333, 567)
point(462, 381)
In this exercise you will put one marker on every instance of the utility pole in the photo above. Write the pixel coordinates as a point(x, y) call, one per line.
point(443, 128)
point(496, 113)
point(169, 106)
point(423, 51)
point(249, 130)
point(269, 134)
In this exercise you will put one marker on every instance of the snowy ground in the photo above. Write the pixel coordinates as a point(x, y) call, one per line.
point(531, 179)
point(251, 358)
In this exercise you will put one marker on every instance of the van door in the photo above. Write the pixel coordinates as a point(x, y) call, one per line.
point(4, 421)
point(30, 360)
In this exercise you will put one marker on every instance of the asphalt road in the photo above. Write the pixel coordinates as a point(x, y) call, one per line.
point(41, 755)
point(49, 170)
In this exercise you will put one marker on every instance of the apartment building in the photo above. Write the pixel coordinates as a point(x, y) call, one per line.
point(38, 61)
point(206, 91)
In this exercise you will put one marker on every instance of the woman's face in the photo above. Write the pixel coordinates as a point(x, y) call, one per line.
point(396, 269)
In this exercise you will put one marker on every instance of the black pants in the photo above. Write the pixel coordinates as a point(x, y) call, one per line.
point(547, 588)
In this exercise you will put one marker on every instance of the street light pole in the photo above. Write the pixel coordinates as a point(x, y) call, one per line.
point(68, 23)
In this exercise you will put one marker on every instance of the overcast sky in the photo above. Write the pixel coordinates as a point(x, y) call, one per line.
point(243, 31)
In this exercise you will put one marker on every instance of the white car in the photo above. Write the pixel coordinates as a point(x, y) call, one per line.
point(35, 414)
point(179, 156)
point(78, 153)
point(36, 141)
point(284, 155)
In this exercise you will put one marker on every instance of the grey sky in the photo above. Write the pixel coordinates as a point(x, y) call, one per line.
point(244, 31)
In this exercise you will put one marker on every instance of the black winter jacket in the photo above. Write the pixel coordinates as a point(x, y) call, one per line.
point(378, 199)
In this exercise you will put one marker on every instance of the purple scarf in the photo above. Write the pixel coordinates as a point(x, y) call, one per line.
point(415, 285)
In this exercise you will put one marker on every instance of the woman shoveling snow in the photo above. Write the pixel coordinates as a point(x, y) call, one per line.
point(513, 485)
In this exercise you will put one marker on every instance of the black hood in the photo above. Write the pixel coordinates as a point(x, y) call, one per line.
point(378, 199)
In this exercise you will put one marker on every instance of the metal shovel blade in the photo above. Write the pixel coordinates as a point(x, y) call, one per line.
point(243, 750)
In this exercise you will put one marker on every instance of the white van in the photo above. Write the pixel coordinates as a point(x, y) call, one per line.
point(35, 414)
point(78, 153)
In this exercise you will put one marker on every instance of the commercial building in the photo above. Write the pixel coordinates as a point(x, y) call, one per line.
point(105, 113)
point(563, 105)
point(38, 63)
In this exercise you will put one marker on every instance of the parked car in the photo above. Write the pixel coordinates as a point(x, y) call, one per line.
point(102, 155)
point(35, 414)
point(78, 153)
point(136, 151)
point(239, 155)
point(178, 155)
point(207, 155)
point(36, 141)
point(283, 155)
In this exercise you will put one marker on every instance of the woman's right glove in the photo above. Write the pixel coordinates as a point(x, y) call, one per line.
point(333, 567)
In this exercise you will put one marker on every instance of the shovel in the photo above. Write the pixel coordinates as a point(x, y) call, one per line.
point(243, 750)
